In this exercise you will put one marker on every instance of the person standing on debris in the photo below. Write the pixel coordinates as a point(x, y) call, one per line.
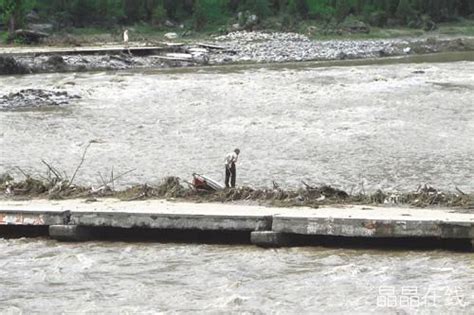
point(230, 170)
point(125, 41)
point(125, 38)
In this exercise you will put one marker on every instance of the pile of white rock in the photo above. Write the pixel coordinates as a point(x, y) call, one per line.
point(34, 98)
point(283, 47)
point(244, 36)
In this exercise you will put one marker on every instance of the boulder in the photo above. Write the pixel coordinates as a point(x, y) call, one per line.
point(353, 25)
point(247, 20)
point(311, 30)
point(41, 27)
point(201, 58)
point(32, 16)
point(57, 62)
point(251, 21)
point(171, 35)
point(235, 27)
point(168, 23)
point(8, 65)
point(27, 35)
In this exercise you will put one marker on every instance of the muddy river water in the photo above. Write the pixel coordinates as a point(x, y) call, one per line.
point(390, 126)
point(136, 278)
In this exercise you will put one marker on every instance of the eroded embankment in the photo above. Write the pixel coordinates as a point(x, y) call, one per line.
point(237, 47)
point(172, 188)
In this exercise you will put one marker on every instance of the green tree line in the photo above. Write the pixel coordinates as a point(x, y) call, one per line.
point(80, 13)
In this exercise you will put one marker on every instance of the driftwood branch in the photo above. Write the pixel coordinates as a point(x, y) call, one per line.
point(23, 172)
point(80, 163)
point(52, 169)
point(113, 179)
point(123, 174)
point(308, 187)
point(459, 190)
point(275, 185)
point(101, 178)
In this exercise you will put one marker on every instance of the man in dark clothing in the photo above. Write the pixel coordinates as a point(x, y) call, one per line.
point(230, 170)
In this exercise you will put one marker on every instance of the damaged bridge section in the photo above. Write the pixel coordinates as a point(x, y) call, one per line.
point(74, 220)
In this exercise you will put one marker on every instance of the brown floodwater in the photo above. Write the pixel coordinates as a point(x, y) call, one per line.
point(388, 124)
point(43, 276)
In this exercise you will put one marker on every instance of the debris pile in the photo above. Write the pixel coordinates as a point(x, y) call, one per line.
point(284, 47)
point(243, 36)
point(426, 196)
point(34, 98)
point(8, 65)
point(52, 188)
point(56, 187)
point(235, 47)
point(27, 36)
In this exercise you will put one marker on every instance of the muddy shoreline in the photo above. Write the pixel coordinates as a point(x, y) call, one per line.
point(234, 48)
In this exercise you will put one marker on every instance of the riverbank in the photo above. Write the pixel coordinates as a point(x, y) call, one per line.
point(74, 220)
point(233, 48)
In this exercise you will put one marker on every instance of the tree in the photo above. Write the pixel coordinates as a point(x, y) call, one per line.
point(404, 11)
point(199, 15)
point(260, 7)
point(64, 13)
point(342, 8)
point(159, 14)
point(13, 12)
point(132, 9)
point(299, 8)
point(172, 7)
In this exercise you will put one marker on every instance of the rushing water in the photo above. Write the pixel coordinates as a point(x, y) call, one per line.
point(390, 126)
point(44, 276)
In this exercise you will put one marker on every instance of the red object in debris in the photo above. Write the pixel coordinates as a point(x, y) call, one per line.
point(199, 182)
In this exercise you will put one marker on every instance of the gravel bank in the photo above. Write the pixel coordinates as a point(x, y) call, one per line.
point(237, 47)
point(287, 47)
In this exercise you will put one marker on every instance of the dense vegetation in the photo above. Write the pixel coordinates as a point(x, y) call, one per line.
point(199, 14)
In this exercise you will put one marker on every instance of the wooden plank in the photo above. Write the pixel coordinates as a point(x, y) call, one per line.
point(92, 50)
point(211, 46)
point(173, 59)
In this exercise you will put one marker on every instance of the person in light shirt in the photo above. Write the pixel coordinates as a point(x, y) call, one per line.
point(125, 38)
point(125, 41)
point(230, 170)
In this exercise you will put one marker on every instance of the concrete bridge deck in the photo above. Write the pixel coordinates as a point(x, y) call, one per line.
point(86, 50)
point(268, 226)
